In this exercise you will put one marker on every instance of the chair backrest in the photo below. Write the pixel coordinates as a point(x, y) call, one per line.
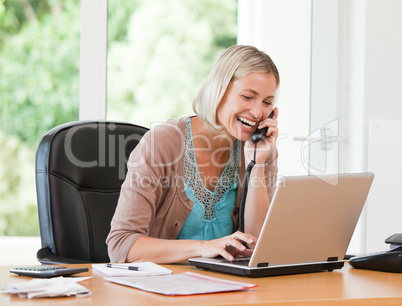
point(80, 167)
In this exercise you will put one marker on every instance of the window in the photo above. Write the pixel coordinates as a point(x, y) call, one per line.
point(160, 52)
point(39, 89)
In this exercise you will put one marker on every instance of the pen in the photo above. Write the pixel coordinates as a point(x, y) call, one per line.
point(124, 267)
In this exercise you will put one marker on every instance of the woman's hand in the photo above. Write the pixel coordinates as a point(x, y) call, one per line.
point(264, 147)
point(228, 246)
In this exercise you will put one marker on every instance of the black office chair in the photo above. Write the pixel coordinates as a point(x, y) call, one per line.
point(80, 167)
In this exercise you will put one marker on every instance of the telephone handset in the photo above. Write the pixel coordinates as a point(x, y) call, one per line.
point(260, 133)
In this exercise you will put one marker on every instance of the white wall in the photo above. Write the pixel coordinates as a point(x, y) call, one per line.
point(369, 61)
point(385, 205)
point(383, 101)
point(369, 68)
point(282, 29)
point(383, 59)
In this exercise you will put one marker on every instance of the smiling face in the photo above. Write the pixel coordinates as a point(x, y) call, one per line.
point(246, 102)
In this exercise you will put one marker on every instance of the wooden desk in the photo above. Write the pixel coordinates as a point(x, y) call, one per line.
point(347, 286)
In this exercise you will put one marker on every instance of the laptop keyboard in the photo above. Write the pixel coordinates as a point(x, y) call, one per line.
point(238, 261)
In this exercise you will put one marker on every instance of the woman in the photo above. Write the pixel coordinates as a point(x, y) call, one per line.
point(182, 192)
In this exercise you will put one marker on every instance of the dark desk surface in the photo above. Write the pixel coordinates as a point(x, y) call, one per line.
point(347, 286)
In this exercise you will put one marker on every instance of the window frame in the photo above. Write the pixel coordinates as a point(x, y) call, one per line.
point(93, 60)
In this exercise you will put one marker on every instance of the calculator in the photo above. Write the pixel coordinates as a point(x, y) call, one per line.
point(47, 271)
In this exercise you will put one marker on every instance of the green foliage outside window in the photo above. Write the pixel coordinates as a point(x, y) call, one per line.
point(170, 47)
point(159, 53)
point(39, 86)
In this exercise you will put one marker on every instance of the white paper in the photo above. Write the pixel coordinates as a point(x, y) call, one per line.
point(49, 287)
point(146, 269)
point(181, 284)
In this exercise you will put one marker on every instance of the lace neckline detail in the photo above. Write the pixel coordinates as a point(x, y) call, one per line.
point(192, 178)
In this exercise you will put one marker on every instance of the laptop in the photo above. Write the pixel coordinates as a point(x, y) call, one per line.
point(308, 227)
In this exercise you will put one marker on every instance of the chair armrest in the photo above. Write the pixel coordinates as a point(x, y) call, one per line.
point(46, 257)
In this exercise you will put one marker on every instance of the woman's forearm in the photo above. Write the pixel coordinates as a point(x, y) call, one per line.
point(163, 250)
point(169, 251)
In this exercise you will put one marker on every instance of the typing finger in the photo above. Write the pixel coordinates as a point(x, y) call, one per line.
point(250, 239)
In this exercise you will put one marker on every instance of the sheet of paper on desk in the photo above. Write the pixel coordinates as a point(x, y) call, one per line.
point(181, 284)
point(146, 269)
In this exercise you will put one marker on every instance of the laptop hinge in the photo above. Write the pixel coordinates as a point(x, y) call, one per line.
point(262, 265)
point(332, 259)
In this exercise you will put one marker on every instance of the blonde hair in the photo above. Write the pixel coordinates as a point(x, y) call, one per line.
point(234, 63)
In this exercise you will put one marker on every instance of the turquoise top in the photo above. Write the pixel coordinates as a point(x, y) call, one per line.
point(211, 216)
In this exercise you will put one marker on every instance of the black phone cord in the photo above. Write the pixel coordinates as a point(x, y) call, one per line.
point(245, 190)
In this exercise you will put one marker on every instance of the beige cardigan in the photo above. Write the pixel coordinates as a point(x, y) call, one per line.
point(152, 199)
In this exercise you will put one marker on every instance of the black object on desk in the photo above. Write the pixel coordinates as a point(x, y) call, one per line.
point(386, 261)
point(47, 271)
